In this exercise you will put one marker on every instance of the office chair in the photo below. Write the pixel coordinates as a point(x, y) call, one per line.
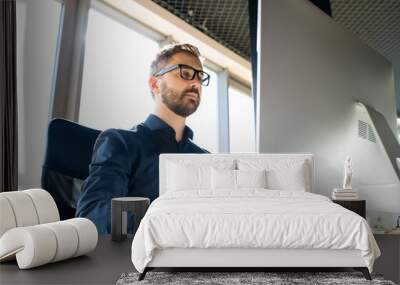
point(66, 164)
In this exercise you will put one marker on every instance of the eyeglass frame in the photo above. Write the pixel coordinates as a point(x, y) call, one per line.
point(195, 74)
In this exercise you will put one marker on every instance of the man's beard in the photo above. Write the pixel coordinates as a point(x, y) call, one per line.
point(176, 101)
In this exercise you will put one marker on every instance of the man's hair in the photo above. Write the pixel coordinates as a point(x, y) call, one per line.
point(169, 51)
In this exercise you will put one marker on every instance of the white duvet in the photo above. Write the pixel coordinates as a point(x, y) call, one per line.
point(250, 219)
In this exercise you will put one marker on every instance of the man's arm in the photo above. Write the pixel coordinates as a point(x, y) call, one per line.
point(108, 178)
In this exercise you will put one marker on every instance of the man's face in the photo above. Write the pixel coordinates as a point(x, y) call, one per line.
point(179, 95)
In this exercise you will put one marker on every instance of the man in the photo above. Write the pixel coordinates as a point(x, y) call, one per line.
point(125, 162)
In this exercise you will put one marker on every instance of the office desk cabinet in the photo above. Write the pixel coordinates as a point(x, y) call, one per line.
point(389, 262)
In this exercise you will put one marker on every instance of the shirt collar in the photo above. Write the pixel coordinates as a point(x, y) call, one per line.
point(154, 123)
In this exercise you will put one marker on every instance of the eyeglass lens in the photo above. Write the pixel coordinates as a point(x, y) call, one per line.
point(189, 73)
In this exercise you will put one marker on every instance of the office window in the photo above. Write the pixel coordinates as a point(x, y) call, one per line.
point(241, 119)
point(204, 122)
point(36, 57)
point(116, 68)
point(115, 93)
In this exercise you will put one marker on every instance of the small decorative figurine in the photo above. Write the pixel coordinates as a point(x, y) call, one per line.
point(348, 172)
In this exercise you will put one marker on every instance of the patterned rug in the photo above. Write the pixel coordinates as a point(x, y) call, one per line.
point(243, 278)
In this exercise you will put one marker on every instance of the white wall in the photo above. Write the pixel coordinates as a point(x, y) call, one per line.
point(36, 51)
point(310, 72)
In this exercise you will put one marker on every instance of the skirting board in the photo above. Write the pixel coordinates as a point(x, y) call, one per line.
point(229, 257)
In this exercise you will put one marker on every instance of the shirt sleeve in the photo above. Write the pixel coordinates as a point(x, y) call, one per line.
point(108, 178)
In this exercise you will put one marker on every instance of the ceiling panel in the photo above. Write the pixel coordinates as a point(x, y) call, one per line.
point(376, 22)
point(226, 21)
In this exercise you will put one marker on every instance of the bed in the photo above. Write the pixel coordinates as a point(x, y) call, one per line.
point(247, 211)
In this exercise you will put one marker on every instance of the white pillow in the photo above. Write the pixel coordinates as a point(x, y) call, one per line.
point(251, 178)
point(227, 179)
point(287, 179)
point(193, 175)
point(183, 178)
point(223, 179)
point(282, 174)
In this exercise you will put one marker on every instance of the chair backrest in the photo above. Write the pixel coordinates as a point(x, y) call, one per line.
point(66, 164)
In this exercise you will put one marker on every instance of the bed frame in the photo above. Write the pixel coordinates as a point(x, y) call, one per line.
point(245, 259)
point(260, 259)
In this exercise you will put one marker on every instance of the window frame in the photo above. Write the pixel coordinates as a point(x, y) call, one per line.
point(248, 91)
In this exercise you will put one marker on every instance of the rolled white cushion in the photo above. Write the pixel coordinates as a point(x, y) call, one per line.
point(87, 235)
point(23, 208)
point(67, 240)
point(7, 218)
point(40, 244)
point(33, 246)
point(45, 206)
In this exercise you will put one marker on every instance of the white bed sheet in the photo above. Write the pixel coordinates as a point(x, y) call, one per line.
point(251, 218)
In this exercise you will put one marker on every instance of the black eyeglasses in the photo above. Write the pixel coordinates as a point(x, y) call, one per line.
point(187, 73)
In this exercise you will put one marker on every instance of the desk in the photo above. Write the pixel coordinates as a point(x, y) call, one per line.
point(104, 265)
point(389, 262)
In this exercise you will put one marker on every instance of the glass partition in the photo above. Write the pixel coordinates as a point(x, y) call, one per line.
point(37, 44)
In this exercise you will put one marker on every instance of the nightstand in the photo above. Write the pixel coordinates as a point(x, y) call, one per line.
point(357, 206)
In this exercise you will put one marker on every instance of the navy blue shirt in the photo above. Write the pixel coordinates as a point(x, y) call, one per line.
point(125, 163)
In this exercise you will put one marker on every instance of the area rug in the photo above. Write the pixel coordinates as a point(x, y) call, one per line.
point(243, 278)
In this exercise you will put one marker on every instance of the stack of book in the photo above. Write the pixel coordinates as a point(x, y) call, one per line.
point(344, 194)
